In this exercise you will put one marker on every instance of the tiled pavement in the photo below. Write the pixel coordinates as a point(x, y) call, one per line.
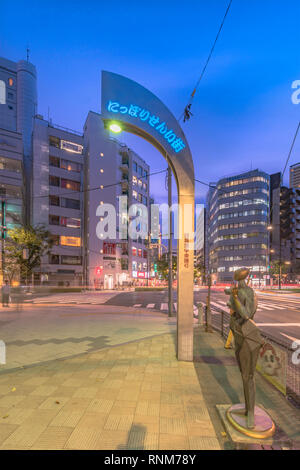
point(131, 396)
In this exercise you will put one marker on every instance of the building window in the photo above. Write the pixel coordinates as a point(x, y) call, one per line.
point(109, 248)
point(53, 219)
point(70, 222)
point(140, 171)
point(134, 194)
point(54, 200)
point(55, 239)
point(70, 166)
point(53, 181)
point(10, 81)
point(10, 164)
point(68, 184)
point(140, 252)
point(135, 167)
point(70, 203)
point(10, 96)
point(2, 92)
point(133, 251)
point(54, 141)
point(54, 161)
point(69, 241)
point(53, 259)
point(75, 260)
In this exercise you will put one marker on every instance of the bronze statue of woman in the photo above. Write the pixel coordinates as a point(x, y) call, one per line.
point(247, 338)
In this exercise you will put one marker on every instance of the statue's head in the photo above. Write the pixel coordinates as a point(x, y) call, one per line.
point(241, 274)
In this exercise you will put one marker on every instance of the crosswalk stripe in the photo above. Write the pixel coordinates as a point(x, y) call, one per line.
point(175, 306)
point(215, 304)
point(150, 306)
point(164, 306)
point(137, 305)
point(274, 307)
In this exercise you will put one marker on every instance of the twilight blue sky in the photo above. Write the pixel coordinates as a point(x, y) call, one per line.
point(243, 113)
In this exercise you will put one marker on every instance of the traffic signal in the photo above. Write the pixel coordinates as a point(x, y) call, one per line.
point(155, 268)
point(98, 270)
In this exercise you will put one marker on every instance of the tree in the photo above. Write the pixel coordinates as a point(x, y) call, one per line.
point(199, 270)
point(163, 266)
point(275, 268)
point(24, 248)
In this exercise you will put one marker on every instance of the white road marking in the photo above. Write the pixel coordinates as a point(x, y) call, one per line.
point(290, 337)
point(137, 305)
point(274, 306)
point(150, 306)
point(175, 306)
point(278, 324)
point(164, 306)
point(215, 304)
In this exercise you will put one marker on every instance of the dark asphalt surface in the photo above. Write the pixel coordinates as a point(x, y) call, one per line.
point(278, 316)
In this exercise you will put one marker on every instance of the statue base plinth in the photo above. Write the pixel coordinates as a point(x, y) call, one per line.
point(243, 440)
point(264, 426)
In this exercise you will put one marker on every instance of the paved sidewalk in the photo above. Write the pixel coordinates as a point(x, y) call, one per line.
point(132, 396)
point(39, 334)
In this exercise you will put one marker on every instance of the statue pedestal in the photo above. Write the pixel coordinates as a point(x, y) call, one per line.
point(266, 434)
point(264, 426)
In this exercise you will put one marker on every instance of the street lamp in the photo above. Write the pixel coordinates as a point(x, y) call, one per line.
point(114, 127)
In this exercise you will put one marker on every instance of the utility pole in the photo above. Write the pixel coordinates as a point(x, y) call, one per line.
point(280, 261)
point(208, 327)
point(170, 248)
point(3, 234)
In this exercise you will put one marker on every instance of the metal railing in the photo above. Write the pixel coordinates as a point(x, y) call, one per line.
point(220, 322)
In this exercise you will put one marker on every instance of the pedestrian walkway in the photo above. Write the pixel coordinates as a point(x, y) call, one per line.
point(78, 298)
point(132, 396)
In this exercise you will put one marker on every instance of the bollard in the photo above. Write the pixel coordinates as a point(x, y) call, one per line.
point(2, 352)
point(200, 314)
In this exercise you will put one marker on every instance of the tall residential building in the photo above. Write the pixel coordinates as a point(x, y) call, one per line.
point(237, 220)
point(123, 181)
point(59, 178)
point(11, 186)
point(57, 200)
point(18, 106)
point(282, 218)
point(295, 176)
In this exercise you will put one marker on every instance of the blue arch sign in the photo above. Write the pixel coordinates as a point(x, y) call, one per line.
point(140, 112)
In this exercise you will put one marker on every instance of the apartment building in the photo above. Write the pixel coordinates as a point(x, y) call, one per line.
point(114, 174)
point(57, 200)
point(236, 226)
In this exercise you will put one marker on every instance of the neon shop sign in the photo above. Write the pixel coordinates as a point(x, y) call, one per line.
point(145, 116)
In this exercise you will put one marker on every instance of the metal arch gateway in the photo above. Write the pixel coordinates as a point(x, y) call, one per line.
point(140, 112)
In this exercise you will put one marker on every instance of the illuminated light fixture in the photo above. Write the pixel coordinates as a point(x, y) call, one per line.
point(101, 202)
point(101, 187)
point(101, 171)
point(269, 227)
point(101, 154)
point(114, 127)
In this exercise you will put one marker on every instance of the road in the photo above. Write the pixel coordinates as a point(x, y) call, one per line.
point(278, 316)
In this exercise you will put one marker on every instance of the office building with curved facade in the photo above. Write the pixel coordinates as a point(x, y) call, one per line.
point(237, 226)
